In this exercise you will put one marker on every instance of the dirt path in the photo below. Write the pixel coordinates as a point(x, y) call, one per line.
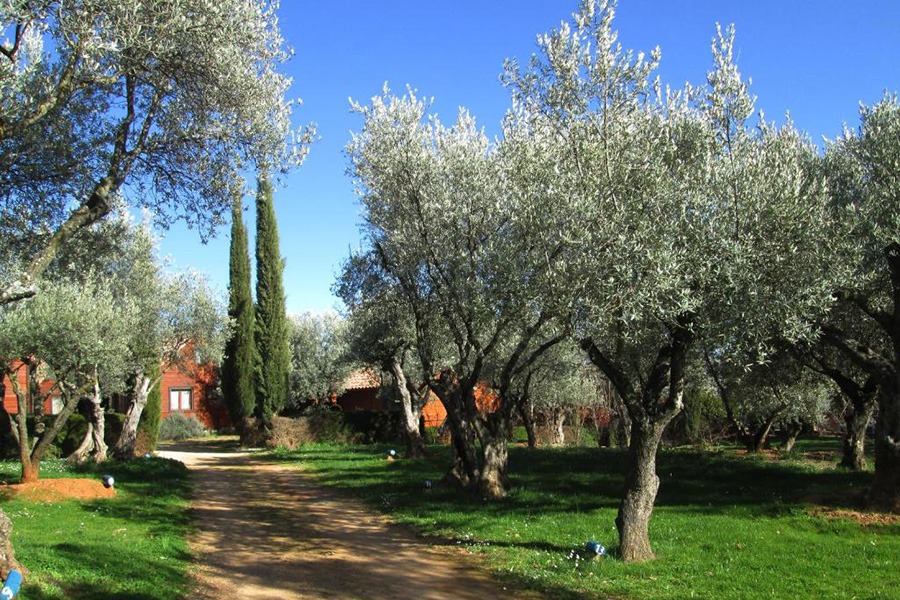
point(268, 532)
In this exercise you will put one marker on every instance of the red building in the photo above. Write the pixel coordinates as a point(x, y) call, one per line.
point(361, 393)
point(193, 391)
point(51, 404)
point(185, 388)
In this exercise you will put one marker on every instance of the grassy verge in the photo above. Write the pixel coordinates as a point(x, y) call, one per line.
point(724, 527)
point(131, 546)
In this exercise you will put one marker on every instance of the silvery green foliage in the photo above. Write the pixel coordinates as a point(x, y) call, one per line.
point(561, 378)
point(177, 97)
point(683, 208)
point(319, 361)
point(449, 225)
point(865, 178)
point(72, 329)
point(190, 316)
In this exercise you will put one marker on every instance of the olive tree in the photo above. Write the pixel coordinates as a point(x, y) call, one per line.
point(176, 98)
point(761, 396)
point(560, 384)
point(865, 184)
point(380, 331)
point(450, 229)
point(858, 387)
point(69, 334)
point(319, 358)
point(182, 325)
point(689, 216)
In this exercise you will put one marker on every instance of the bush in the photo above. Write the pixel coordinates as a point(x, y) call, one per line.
point(327, 425)
point(290, 433)
point(701, 420)
point(148, 426)
point(179, 427)
point(373, 426)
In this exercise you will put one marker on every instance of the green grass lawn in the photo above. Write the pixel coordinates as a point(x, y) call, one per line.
point(130, 547)
point(724, 526)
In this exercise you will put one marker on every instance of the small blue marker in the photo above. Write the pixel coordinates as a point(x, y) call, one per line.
point(11, 585)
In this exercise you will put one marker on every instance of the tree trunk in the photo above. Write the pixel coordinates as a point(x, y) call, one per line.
point(412, 411)
point(46, 438)
point(8, 560)
point(660, 400)
point(456, 475)
point(856, 419)
point(526, 413)
point(557, 418)
point(124, 447)
point(493, 481)
point(465, 469)
point(761, 436)
point(99, 424)
point(641, 486)
point(885, 492)
point(80, 455)
point(30, 470)
point(795, 429)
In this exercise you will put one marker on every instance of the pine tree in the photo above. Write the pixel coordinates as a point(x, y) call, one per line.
point(238, 386)
point(273, 357)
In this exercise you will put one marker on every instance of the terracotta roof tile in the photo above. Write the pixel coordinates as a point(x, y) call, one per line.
point(361, 379)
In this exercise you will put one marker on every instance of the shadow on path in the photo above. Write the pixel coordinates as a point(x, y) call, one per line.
point(267, 531)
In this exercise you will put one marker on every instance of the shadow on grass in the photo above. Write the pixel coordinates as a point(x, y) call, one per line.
point(229, 443)
point(577, 480)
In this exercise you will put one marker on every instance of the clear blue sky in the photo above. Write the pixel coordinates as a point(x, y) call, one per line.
point(817, 59)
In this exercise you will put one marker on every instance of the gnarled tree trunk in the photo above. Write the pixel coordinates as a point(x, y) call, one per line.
point(94, 445)
point(459, 403)
point(796, 427)
point(526, 412)
point(856, 419)
point(885, 492)
point(757, 443)
point(641, 486)
point(80, 455)
point(493, 481)
point(556, 421)
point(8, 560)
point(412, 410)
point(124, 448)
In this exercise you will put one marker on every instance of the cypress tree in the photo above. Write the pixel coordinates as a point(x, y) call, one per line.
point(151, 416)
point(273, 359)
point(238, 385)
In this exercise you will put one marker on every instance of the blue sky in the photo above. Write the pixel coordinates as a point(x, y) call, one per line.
point(817, 59)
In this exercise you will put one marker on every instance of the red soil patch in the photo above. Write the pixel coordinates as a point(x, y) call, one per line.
point(863, 518)
point(55, 490)
point(767, 453)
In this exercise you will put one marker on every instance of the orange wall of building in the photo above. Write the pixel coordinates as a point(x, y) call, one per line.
point(202, 381)
point(11, 404)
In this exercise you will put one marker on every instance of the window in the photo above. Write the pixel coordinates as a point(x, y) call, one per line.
point(180, 399)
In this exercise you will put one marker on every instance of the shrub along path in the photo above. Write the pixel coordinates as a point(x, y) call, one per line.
point(267, 531)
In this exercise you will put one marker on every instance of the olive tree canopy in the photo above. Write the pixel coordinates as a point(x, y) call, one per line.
point(172, 98)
